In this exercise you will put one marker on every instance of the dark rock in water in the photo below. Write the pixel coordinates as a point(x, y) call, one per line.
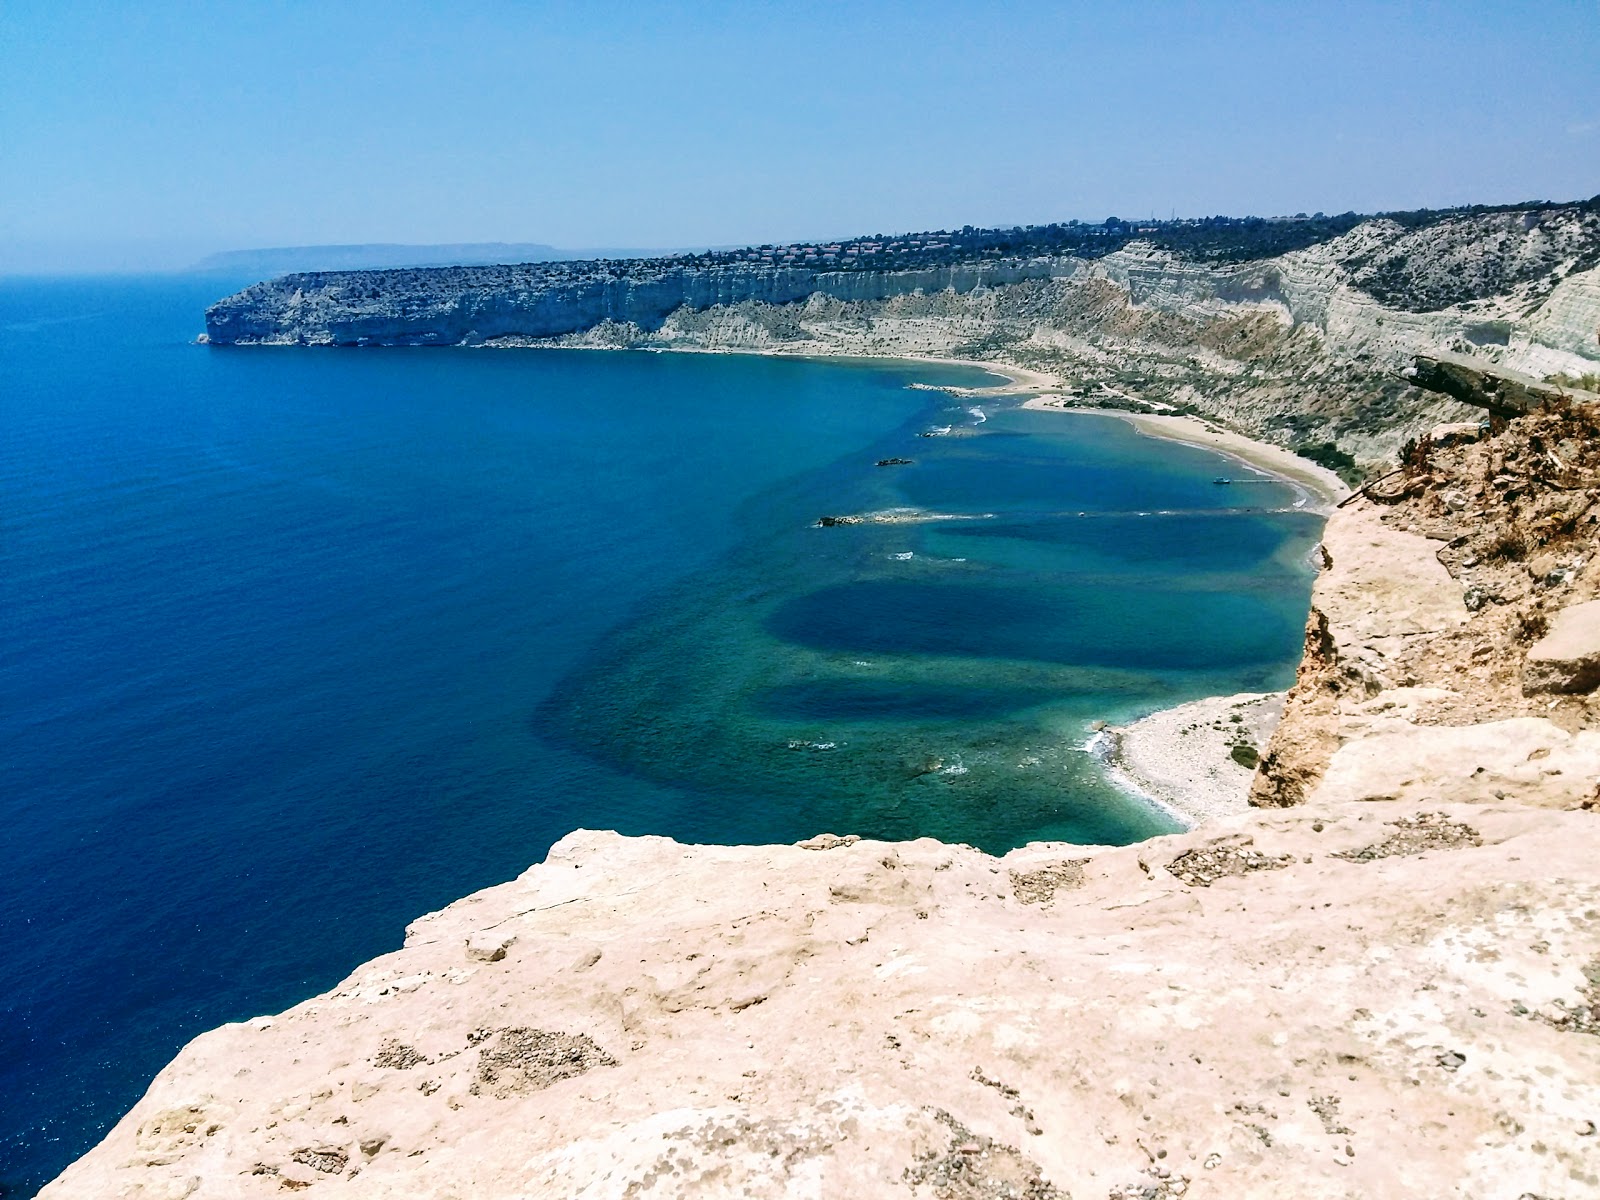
point(826, 522)
point(894, 462)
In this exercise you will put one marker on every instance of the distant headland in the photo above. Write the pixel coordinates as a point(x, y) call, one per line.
point(1292, 329)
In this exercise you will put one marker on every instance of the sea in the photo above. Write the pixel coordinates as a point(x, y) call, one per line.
point(299, 644)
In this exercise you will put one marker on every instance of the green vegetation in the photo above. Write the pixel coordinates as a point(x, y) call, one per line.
point(1245, 755)
point(1589, 381)
point(1206, 239)
point(1328, 454)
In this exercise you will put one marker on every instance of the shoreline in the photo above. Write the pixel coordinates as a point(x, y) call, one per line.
point(1178, 760)
point(1322, 489)
point(1021, 381)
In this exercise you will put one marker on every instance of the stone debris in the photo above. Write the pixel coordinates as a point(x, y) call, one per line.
point(829, 841)
point(330, 1160)
point(1327, 1110)
point(1019, 1110)
point(1567, 658)
point(974, 1167)
point(1040, 886)
point(397, 1056)
point(526, 1060)
point(1204, 865)
point(1584, 1016)
point(1161, 1185)
point(1417, 835)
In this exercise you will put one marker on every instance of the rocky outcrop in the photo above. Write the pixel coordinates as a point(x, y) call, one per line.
point(1567, 659)
point(1456, 643)
point(1503, 392)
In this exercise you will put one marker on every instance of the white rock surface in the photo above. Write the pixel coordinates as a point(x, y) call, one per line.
point(1567, 658)
point(924, 1020)
point(1528, 757)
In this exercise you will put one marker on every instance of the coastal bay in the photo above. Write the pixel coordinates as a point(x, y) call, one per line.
point(1178, 760)
point(321, 633)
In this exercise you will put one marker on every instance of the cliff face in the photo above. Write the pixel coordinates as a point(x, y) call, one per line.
point(1303, 347)
point(1453, 647)
point(471, 305)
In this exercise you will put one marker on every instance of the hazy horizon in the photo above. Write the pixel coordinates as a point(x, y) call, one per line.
point(140, 139)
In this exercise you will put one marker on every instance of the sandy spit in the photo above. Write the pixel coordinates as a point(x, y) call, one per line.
point(1181, 759)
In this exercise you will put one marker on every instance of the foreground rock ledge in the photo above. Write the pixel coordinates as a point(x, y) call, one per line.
point(1334, 1000)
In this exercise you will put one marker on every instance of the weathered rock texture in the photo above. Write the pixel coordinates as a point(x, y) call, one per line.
point(1453, 647)
point(1346, 1000)
point(1303, 347)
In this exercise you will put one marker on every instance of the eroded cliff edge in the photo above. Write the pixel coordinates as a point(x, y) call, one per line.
point(1391, 987)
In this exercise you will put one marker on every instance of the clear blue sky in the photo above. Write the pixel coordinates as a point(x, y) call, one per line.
point(147, 133)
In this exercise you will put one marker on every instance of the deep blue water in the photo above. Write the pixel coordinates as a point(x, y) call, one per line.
point(301, 644)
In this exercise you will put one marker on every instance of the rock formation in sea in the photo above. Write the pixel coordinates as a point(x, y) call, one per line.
point(1383, 982)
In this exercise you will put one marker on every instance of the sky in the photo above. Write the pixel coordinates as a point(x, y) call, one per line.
point(145, 135)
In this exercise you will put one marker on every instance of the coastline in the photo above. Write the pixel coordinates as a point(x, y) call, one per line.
point(1179, 760)
point(1176, 760)
point(1322, 489)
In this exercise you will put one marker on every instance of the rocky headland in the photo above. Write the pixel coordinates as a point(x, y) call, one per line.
point(1384, 980)
point(1300, 348)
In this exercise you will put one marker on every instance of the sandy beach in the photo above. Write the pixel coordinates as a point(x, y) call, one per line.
point(1181, 759)
point(1024, 382)
point(1321, 486)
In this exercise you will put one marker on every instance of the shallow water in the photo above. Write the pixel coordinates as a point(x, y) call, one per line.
point(302, 644)
point(937, 677)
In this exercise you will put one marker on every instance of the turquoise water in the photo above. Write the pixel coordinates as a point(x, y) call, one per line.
point(301, 644)
point(936, 676)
